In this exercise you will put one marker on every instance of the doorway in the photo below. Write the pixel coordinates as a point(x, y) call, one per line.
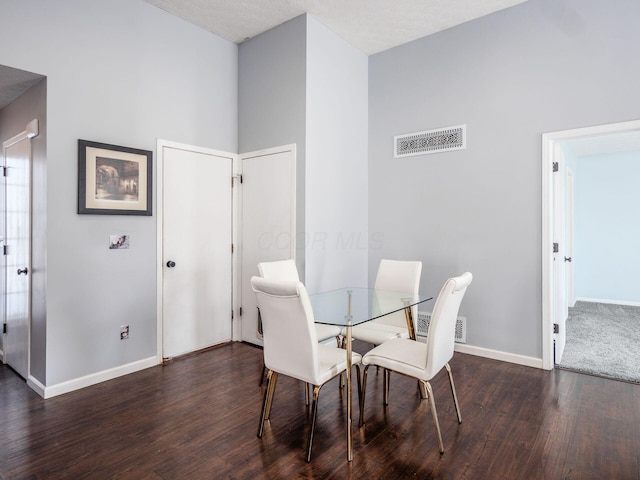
point(16, 246)
point(558, 258)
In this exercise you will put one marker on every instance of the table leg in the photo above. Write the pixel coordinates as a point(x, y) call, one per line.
point(349, 402)
point(409, 317)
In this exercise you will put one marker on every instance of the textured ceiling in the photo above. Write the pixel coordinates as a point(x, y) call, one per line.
point(369, 25)
point(14, 82)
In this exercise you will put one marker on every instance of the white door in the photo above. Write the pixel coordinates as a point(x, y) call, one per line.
point(267, 222)
point(569, 261)
point(559, 278)
point(196, 219)
point(17, 246)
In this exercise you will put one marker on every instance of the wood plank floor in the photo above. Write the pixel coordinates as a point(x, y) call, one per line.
point(197, 418)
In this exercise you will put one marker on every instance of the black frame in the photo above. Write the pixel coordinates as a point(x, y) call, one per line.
point(84, 181)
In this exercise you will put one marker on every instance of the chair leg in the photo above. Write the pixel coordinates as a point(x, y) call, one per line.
point(387, 380)
point(314, 415)
point(264, 369)
point(434, 414)
point(453, 391)
point(363, 393)
point(306, 394)
point(272, 378)
point(423, 390)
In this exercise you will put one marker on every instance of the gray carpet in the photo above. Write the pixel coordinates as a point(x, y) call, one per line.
point(603, 340)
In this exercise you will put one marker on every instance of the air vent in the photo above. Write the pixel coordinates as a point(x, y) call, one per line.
point(424, 319)
point(430, 141)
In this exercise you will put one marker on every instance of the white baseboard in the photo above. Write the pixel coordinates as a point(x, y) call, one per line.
point(1, 356)
point(498, 355)
point(612, 302)
point(36, 386)
point(88, 380)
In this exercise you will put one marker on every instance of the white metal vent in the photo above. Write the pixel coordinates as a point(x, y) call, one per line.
point(430, 141)
point(424, 319)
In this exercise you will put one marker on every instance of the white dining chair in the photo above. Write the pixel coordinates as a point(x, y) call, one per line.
point(395, 276)
point(287, 314)
point(424, 360)
point(287, 270)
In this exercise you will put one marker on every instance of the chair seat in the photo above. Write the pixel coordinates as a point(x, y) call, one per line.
point(400, 355)
point(325, 332)
point(376, 333)
point(331, 362)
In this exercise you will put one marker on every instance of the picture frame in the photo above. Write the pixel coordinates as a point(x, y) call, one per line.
point(113, 180)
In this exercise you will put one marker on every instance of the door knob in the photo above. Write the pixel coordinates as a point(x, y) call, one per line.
point(567, 259)
point(24, 270)
point(171, 264)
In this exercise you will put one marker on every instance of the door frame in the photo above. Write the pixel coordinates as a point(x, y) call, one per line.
point(160, 145)
point(30, 131)
point(549, 285)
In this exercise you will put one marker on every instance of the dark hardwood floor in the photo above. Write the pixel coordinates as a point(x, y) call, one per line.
point(197, 417)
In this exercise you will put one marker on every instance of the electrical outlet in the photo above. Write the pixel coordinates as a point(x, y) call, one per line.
point(124, 332)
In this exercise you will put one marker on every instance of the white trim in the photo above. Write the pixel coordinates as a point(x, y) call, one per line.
point(92, 379)
point(548, 145)
point(498, 355)
point(36, 386)
point(611, 302)
point(2, 356)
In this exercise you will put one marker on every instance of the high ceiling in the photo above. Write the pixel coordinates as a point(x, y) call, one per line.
point(14, 82)
point(371, 26)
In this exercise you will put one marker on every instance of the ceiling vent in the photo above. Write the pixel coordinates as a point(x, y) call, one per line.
point(430, 141)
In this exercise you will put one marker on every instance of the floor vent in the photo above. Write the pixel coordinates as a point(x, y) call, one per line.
point(430, 141)
point(424, 319)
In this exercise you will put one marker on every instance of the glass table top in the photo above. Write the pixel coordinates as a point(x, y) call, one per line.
point(352, 306)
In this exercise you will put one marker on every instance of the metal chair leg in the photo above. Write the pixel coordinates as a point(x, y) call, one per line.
point(434, 414)
point(453, 391)
point(387, 380)
point(264, 369)
point(364, 391)
point(272, 378)
point(314, 415)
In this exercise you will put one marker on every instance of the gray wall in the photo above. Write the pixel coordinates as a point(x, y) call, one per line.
point(337, 240)
point(542, 66)
point(126, 73)
point(272, 100)
point(13, 120)
point(300, 83)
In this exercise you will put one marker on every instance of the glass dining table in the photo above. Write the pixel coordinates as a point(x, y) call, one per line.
point(347, 307)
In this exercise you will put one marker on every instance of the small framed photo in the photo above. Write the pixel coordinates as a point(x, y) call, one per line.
point(117, 242)
point(113, 180)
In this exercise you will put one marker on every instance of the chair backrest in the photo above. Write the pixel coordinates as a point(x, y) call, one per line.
point(442, 329)
point(279, 270)
point(290, 341)
point(398, 276)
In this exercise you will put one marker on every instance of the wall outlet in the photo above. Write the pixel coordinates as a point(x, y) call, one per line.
point(124, 332)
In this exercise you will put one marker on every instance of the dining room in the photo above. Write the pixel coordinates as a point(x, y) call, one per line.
point(98, 390)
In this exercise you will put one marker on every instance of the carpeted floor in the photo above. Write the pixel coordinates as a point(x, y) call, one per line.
point(603, 340)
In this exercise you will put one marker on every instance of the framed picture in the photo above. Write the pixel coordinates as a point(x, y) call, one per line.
point(113, 180)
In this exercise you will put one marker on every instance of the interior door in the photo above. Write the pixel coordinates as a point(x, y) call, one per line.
point(17, 249)
point(196, 248)
point(560, 309)
point(569, 260)
point(267, 222)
